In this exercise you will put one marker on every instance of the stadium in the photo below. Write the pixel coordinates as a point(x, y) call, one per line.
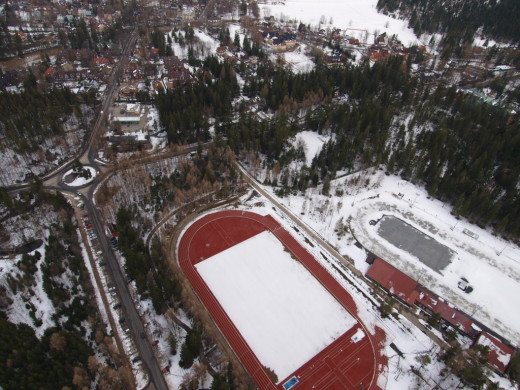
point(289, 322)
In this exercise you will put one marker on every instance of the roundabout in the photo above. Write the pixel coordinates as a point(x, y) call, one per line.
point(79, 177)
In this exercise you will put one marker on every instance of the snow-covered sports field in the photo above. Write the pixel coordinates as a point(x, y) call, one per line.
point(282, 311)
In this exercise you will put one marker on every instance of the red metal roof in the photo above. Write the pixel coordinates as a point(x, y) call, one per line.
point(499, 354)
point(394, 281)
point(447, 312)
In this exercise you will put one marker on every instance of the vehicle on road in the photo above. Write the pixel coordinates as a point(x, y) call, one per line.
point(136, 359)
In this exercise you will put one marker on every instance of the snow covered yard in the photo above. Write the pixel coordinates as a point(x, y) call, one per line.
point(489, 263)
point(417, 348)
point(283, 312)
point(299, 61)
point(360, 17)
point(311, 142)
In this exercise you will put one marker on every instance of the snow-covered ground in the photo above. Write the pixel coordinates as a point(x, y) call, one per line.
point(298, 60)
point(266, 292)
point(81, 181)
point(490, 264)
point(312, 143)
point(414, 344)
point(210, 43)
point(357, 16)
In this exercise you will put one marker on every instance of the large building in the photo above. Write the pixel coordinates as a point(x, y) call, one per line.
point(395, 282)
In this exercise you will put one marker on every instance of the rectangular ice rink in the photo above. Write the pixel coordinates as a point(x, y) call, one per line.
point(284, 314)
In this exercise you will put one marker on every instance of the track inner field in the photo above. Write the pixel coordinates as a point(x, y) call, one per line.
point(342, 365)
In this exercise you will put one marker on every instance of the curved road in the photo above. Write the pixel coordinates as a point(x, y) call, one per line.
point(52, 181)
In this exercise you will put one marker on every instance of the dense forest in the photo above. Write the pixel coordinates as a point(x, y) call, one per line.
point(459, 20)
point(156, 282)
point(66, 354)
point(30, 117)
point(185, 112)
point(49, 363)
point(459, 148)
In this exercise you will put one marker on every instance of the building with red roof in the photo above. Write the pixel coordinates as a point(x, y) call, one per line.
point(499, 355)
point(394, 281)
point(433, 304)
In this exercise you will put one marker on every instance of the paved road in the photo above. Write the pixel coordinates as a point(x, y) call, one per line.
point(91, 148)
point(53, 181)
point(130, 313)
point(324, 244)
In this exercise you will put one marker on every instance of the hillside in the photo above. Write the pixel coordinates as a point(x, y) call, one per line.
point(38, 130)
point(460, 20)
point(52, 333)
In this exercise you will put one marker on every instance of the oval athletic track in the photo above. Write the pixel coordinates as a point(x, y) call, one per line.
point(343, 365)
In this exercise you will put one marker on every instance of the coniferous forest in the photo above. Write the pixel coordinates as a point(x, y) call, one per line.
point(26, 119)
point(459, 20)
point(462, 150)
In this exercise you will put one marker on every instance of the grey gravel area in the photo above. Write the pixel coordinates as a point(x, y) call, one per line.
point(406, 237)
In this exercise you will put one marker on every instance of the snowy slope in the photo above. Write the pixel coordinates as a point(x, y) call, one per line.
point(355, 15)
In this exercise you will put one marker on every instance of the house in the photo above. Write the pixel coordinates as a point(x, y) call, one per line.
point(9, 79)
point(382, 39)
point(175, 72)
point(395, 282)
point(499, 355)
point(431, 303)
point(50, 72)
point(22, 35)
point(378, 55)
point(101, 61)
point(62, 75)
point(100, 27)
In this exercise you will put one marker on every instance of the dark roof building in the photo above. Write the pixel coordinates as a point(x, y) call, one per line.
point(394, 281)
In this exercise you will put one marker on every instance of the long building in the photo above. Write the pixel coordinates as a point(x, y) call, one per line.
point(408, 291)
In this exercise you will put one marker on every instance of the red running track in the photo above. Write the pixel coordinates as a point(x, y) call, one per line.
point(343, 365)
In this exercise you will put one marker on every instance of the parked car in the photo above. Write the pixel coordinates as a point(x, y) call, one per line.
point(136, 359)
